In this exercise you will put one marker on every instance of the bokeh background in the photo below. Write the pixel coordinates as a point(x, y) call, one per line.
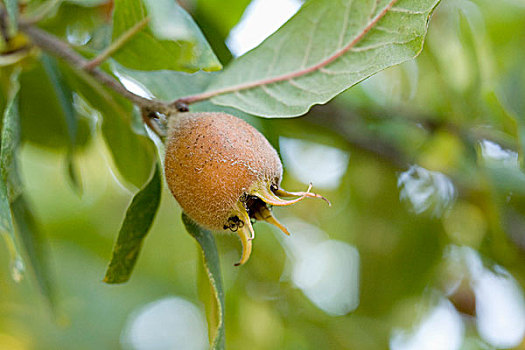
point(423, 247)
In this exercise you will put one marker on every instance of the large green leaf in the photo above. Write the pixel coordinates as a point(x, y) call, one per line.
point(211, 264)
point(26, 240)
point(139, 218)
point(323, 50)
point(132, 151)
point(172, 40)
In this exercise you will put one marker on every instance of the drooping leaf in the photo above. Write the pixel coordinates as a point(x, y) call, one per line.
point(3, 93)
point(10, 141)
point(133, 153)
point(323, 50)
point(512, 105)
point(172, 38)
point(6, 164)
point(65, 99)
point(34, 245)
point(211, 264)
point(42, 113)
point(137, 222)
point(41, 116)
point(24, 238)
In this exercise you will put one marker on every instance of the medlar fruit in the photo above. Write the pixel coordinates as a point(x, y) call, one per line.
point(224, 174)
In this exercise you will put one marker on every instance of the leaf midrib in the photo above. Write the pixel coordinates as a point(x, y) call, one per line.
point(295, 74)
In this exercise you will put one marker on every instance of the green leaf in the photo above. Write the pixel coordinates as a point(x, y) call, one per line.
point(133, 153)
point(170, 85)
point(65, 99)
point(6, 167)
point(11, 7)
point(223, 14)
point(85, 26)
point(15, 211)
point(172, 38)
point(323, 50)
point(139, 218)
point(167, 85)
point(88, 3)
point(211, 264)
point(34, 245)
point(216, 18)
point(43, 113)
point(9, 143)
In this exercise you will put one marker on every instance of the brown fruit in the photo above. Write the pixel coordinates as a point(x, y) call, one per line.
point(223, 173)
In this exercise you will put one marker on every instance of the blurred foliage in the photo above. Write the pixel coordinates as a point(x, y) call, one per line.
point(184, 47)
point(432, 185)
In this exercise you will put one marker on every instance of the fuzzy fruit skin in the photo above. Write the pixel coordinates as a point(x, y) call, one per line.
point(212, 159)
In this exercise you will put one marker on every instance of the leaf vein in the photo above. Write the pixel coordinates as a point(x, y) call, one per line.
point(345, 24)
point(386, 30)
point(310, 41)
point(380, 45)
point(407, 11)
point(276, 54)
point(374, 8)
point(274, 96)
point(300, 87)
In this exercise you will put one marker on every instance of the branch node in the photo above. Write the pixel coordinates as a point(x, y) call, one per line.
point(181, 106)
point(151, 118)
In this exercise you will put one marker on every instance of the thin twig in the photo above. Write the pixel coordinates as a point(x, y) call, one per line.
point(117, 44)
point(58, 48)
